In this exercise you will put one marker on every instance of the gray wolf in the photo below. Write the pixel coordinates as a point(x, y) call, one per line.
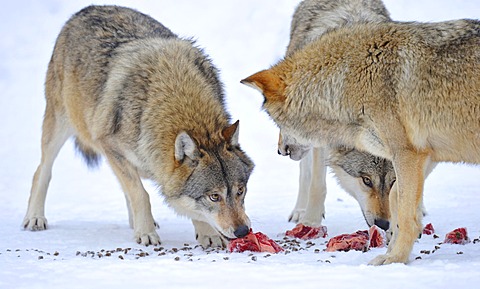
point(407, 92)
point(127, 88)
point(364, 176)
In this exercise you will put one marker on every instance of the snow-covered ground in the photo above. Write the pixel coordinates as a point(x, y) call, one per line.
point(89, 243)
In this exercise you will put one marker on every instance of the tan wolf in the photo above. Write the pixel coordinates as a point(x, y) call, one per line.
point(152, 104)
point(366, 177)
point(407, 92)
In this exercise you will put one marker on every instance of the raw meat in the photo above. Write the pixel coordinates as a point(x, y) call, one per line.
point(377, 237)
point(457, 236)
point(359, 241)
point(346, 242)
point(255, 242)
point(306, 232)
point(428, 230)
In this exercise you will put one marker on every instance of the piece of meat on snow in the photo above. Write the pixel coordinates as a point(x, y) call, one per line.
point(457, 236)
point(306, 232)
point(359, 241)
point(254, 242)
point(377, 237)
point(428, 230)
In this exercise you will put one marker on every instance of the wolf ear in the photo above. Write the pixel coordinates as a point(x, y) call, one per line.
point(230, 134)
point(185, 146)
point(268, 83)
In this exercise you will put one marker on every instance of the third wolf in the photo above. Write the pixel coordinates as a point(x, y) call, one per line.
point(366, 177)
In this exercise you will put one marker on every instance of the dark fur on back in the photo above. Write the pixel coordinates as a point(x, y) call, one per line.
point(104, 34)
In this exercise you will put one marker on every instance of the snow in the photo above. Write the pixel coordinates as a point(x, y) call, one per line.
point(86, 209)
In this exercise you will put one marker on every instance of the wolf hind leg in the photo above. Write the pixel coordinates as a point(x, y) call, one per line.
point(207, 236)
point(55, 132)
point(138, 200)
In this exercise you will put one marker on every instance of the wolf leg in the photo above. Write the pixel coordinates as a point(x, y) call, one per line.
point(207, 236)
point(137, 198)
point(410, 168)
point(317, 191)
point(303, 190)
point(54, 134)
point(393, 206)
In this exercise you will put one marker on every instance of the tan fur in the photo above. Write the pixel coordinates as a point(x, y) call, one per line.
point(408, 92)
point(129, 89)
point(311, 20)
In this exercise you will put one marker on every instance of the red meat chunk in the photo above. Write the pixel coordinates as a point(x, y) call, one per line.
point(255, 242)
point(457, 236)
point(377, 237)
point(346, 242)
point(428, 230)
point(359, 241)
point(306, 232)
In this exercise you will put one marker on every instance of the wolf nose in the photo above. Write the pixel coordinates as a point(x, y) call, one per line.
point(241, 231)
point(382, 223)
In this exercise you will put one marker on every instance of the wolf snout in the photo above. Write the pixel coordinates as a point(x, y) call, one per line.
point(382, 224)
point(284, 151)
point(241, 231)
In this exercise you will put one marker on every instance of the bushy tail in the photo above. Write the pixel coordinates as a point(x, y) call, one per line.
point(89, 155)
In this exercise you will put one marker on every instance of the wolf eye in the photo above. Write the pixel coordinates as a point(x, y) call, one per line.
point(367, 181)
point(240, 191)
point(214, 197)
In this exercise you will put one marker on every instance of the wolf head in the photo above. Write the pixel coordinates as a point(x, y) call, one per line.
point(305, 100)
point(368, 179)
point(273, 85)
point(213, 182)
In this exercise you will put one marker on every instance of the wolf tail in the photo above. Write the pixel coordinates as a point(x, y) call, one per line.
point(91, 157)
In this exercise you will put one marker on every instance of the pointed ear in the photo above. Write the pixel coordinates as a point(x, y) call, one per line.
point(268, 83)
point(185, 146)
point(230, 134)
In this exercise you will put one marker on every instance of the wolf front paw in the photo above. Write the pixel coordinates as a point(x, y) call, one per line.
point(296, 216)
point(388, 259)
point(146, 239)
point(35, 223)
point(211, 241)
point(207, 236)
point(311, 220)
point(301, 216)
